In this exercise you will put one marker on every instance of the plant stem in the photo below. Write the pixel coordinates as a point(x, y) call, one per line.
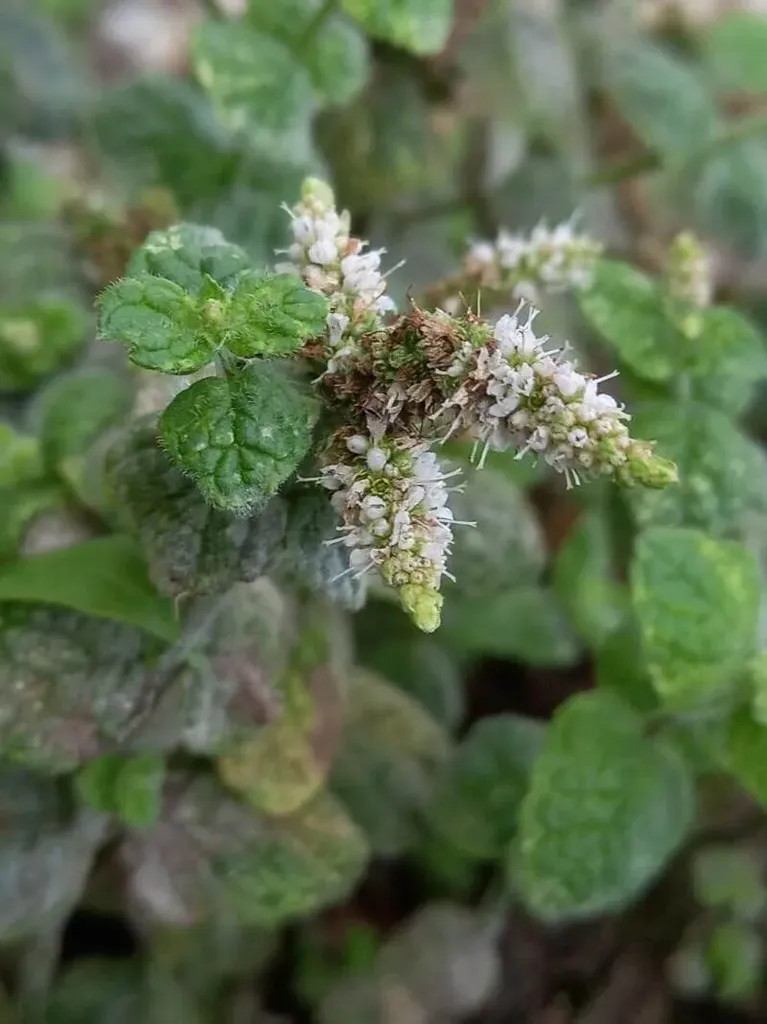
point(652, 160)
point(324, 11)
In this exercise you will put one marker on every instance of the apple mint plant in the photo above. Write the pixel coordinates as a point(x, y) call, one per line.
point(427, 563)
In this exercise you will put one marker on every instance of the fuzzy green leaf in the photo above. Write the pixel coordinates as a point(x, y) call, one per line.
point(20, 457)
point(187, 254)
point(38, 339)
point(476, 805)
point(105, 577)
point(744, 753)
point(722, 474)
point(163, 326)
point(621, 668)
point(273, 314)
point(191, 548)
point(735, 958)
point(605, 810)
point(21, 505)
point(626, 308)
point(242, 437)
point(76, 409)
point(420, 26)
point(128, 786)
point(696, 601)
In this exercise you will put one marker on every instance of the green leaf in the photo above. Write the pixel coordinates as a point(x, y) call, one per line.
point(335, 55)
point(306, 559)
point(416, 664)
point(744, 753)
point(722, 474)
point(525, 624)
point(129, 786)
point(728, 201)
point(214, 854)
point(254, 81)
point(476, 805)
point(729, 878)
point(387, 765)
point(38, 339)
point(21, 505)
point(46, 853)
point(627, 309)
point(420, 26)
point(506, 549)
point(164, 328)
point(696, 600)
point(663, 98)
point(283, 764)
point(621, 668)
point(242, 437)
point(735, 958)
point(584, 579)
point(76, 409)
point(728, 358)
point(735, 50)
point(191, 548)
point(187, 254)
point(606, 809)
point(105, 577)
point(20, 457)
point(273, 314)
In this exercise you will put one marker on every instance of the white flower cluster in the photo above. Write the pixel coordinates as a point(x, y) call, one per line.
point(335, 264)
point(518, 395)
point(391, 495)
point(555, 259)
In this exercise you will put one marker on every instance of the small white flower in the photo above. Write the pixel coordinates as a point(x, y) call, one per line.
point(376, 459)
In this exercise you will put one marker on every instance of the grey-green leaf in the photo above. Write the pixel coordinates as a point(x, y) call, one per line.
point(240, 437)
point(606, 808)
point(164, 327)
point(420, 26)
point(697, 601)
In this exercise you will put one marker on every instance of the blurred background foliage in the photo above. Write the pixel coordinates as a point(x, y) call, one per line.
point(397, 765)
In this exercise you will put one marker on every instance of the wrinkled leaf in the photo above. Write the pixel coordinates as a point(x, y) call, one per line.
point(187, 254)
point(735, 50)
point(128, 786)
point(696, 601)
point(722, 474)
point(606, 808)
point(239, 438)
point(273, 314)
point(164, 327)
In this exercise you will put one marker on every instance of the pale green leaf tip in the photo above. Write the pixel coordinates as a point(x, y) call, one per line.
point(423, 605)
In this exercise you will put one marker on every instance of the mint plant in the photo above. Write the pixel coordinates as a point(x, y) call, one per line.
point(328, 561)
